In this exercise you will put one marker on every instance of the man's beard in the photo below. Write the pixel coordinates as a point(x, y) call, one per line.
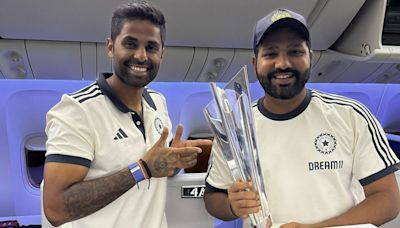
point(284, 92)
point(127, 77)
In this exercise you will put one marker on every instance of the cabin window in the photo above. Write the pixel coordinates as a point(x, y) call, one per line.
point(35, 151)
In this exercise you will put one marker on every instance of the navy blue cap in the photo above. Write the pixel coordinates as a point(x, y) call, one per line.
point(280, 18)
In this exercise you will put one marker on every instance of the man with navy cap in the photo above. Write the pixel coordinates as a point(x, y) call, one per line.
point(325, 158)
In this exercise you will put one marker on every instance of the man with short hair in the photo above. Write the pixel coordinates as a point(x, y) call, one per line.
point(113, 134)
point(325, 158)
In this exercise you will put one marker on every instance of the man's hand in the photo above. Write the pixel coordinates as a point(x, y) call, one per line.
point(178, 142)
point(162, 161)
point(187, 160)
point(243, 199)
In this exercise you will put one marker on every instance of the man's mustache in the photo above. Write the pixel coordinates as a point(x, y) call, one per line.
point(278, 70)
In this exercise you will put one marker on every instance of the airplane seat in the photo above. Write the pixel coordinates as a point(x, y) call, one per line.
point(388, 115)
point(192, 109)
point(368, 94)
point(186, 190)
point(176, 95)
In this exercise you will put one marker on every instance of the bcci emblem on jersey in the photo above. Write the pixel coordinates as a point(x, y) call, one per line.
point(158, 125)
point(325, 143)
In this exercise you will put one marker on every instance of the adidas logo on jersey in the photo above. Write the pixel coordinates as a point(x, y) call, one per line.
point(120, 135)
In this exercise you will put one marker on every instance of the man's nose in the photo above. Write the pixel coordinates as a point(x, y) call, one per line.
point(283, 62)
point(140, 54)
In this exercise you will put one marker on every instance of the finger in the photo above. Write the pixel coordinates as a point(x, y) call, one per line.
point(240, 186)
point(252, 187)
point(188, 161)
point(248, 204)
point(188, 164)
point(188, 158)
point(185, 151)
point(243, 195)
point(244, 212)
point(200, 142)
point(163, 138)
point(178, 132)
point(243, 208)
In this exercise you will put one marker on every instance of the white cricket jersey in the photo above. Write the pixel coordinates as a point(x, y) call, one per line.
point(92, 127)
point(314, 159)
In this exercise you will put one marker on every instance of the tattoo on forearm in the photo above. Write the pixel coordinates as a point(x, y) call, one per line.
point(87, 197)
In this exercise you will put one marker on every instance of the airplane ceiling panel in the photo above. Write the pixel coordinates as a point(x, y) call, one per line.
point(175, 64)
point(242, 57)
point(218, 61)
point(332, 20)
point(397, 78)
point(328, 67)
point(89, 65)
point(199, 58)
point(358, 72)
point(376, 76)
point(364, 33)
point(391, 75)
point(316, 55)
point(394, 53)
point(206, 23)
point(55, 60)
point(73, 20)
point(14, 63)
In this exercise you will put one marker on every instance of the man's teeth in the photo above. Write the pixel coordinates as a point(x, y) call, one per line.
point(140, 69)
point(283, 76)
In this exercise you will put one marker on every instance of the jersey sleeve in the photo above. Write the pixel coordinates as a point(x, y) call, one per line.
point(68, 130)
point(373, 157)
point(218, 174)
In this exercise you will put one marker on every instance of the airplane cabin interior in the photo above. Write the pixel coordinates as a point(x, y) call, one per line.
point(48, 48)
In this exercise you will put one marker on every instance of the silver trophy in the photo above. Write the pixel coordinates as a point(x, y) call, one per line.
point(231, 120)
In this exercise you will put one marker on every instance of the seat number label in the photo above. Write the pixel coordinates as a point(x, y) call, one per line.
point(193, 191)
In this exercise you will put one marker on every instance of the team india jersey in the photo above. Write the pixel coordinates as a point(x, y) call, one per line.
point(93, 128)
point(314, 159)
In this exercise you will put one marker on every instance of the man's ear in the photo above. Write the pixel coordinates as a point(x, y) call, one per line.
point(311, 56)
point(110, 47)
point(162, 52)
point(254, 61)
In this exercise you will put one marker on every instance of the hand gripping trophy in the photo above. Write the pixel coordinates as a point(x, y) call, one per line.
point(230, 119)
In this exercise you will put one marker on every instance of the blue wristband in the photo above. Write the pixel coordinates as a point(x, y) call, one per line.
point(136, 172)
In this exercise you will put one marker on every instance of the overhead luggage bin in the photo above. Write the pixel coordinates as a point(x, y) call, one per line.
point(55, 60)
point(14, 63)
point(175, 64)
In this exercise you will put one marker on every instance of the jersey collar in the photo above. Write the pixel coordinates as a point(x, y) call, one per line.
point(106, 89)
point(285, 116)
